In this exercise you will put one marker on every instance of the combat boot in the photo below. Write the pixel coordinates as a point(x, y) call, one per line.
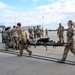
point(30, 53)
point(61, 61)
point(6, 49)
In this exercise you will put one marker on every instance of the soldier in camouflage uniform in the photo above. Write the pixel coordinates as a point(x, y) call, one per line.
point(60, 33)
point(7, 36)
point(35, 33)
point(22, 40)
point(38, 31)
point(70, 42)
point(42, 31)
point(31, 33)
point(14, 36)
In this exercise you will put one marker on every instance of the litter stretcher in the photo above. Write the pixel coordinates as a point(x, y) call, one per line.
point(44, 42)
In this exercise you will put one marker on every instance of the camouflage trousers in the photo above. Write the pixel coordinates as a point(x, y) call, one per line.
point(6, 39)
point(15, 42)
point(41, 34)
point(38, 35)
point(23, 46)
point(61, 37)
point(35, 35)
point(69, 46)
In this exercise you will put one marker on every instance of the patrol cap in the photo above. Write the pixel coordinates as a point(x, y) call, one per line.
point(18, 24)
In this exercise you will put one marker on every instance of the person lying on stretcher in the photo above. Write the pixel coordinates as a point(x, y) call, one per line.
point(44, 41)
point(38, 41)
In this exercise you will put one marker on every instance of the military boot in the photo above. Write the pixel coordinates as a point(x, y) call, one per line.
point(30, 53)
point(61, 61)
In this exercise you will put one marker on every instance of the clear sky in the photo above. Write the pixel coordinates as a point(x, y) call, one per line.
point(47, 13)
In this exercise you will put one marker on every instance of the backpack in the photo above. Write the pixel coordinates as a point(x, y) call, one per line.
point(23, 34)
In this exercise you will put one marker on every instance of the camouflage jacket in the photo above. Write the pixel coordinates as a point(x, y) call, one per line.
point(60, 30)
point(22, 35)
point(14, 32)
point(70, 32)
point(7, 33)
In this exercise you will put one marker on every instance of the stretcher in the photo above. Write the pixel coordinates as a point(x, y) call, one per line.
point(44, 42)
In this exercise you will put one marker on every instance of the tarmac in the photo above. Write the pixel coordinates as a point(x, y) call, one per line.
point(41, 62)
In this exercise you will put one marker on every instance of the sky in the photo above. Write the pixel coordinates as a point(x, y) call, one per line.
point(47, 13)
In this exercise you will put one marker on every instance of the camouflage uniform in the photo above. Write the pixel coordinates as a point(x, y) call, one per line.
point(38, 31)
point(60, 33)
point(14, 35)
point(22, 41)
point(35, 33)
point(31, 33)
point(69, 45)
point(7, 36)
point(42, 32)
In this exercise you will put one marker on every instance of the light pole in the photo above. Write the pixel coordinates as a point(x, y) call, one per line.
point(43, 25)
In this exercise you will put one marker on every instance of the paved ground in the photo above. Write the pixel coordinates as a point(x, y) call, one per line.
point(42, 62)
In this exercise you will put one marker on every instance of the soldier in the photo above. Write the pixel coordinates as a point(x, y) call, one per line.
point(60, 33)
point(7, 36)
point(42, 31)
point(22, 40)
point(70, 42)
point(31, 33)
point(29, 30)
point(35, 33)
point(14, 35)
point(38, 31)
